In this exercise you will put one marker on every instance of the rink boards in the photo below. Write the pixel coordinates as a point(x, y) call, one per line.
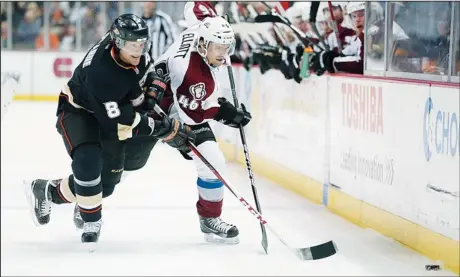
point(382, 153)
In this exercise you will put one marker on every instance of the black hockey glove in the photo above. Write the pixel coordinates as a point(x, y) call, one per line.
point(291, 68)
point(155, 90)
point(174, 133)
point(230, 115)
point(324, 61)
point(328, 60)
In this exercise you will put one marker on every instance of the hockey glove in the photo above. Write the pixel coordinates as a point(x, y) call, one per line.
point(174, 133)
point(328, 60)
point(155, 90)
point(230, 115)
point(324, 61)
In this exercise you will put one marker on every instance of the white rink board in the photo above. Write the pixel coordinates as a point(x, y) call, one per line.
point(40, 73)
point(20, 63)
point(290, 127)
point(53, 71)
point(377, 151)
point(438, 196)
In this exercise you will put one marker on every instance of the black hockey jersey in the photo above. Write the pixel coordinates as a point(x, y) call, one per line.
point(108, 90)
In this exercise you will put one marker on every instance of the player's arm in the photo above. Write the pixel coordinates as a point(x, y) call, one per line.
point(138, 99)
point(193, 111)
point(123, 122)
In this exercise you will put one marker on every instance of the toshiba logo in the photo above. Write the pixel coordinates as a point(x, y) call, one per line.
point(62, 67)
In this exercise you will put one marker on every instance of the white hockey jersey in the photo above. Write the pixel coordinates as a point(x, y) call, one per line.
point(191, 81)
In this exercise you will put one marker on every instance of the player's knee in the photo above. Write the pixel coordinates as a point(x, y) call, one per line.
point(87, 162)
point(138, 152)
point(136, 163)
point(214, 155)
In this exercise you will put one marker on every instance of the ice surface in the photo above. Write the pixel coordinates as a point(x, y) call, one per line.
point(151, 226)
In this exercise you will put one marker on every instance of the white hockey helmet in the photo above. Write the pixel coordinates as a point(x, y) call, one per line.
point(323, 9)
point(355, 6)
point(216, 30)
point(299, 9)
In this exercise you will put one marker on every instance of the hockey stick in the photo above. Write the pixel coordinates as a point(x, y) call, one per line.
point(248, 161)
point(316, 252)
point(313, 12)
point(334, 27)
point(281, 36)
point(274, 16)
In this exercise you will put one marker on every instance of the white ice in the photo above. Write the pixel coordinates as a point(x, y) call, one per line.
point(151, 226)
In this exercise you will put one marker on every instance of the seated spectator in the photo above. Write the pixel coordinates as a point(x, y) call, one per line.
point(68, 38)
point(4, 24)
point(426, 49)
point(30, 26)
point(54, 40)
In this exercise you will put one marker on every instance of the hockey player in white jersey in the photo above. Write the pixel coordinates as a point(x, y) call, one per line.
point(352, 56)
point(189, 67)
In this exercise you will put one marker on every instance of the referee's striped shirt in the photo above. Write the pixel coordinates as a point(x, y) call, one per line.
point(162, 33)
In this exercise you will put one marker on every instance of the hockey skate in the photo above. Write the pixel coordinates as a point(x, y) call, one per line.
point(90, 235)
point(77, 220)
point(38, 195)
point(218, 231)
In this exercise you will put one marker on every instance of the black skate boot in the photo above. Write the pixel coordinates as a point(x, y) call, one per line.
point(218, 231)
point(77, 220)
point(91, 232)
point(39, 197)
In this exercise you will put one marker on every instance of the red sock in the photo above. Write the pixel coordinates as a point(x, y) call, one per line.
point(209, 209)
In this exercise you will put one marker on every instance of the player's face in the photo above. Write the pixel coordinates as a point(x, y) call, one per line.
point(324, 27)
point(132, 51)
point(336, 11)
point(217, 52)
point(338, 14)
point(358, 19)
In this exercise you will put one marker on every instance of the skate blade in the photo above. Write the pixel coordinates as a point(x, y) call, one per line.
point(91, 246)
point(78, 227)
point(213, 238)
point(26, 186)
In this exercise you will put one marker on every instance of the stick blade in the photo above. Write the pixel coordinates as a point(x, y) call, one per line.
point(264, 241)
point(317, 252)
point(265, 244)
point(263, 18)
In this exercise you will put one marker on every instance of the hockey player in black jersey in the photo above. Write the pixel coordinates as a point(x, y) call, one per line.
point(105, 131)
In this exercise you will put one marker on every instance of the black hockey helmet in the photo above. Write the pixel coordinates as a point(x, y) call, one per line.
point(130, 33)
